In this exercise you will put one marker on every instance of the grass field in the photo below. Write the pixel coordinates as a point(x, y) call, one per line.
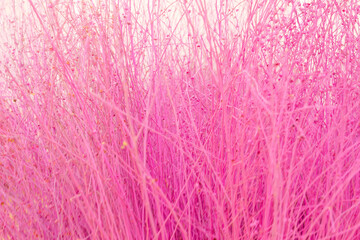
point(184, 119)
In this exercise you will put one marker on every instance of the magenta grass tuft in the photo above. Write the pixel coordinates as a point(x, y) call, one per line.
point(188, 119)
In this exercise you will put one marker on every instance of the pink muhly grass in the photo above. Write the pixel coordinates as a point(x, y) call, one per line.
point(179, 120)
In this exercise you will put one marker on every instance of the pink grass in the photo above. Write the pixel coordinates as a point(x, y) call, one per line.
point(179, 120)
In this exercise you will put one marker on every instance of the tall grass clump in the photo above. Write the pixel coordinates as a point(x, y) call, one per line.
point(184, 119)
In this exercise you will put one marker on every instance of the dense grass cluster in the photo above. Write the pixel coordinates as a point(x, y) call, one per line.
point(184, 119)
